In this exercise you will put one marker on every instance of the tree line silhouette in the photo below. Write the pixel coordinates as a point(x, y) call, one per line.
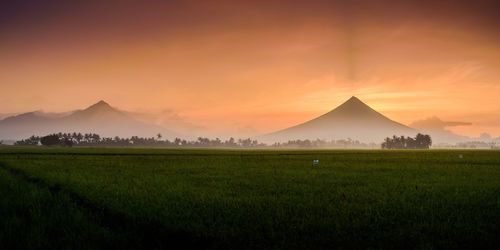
point(419, 142)
point(78, 139)
point(94, 140)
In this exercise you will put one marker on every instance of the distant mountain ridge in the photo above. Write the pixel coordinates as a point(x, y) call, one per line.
point(437, 129)
point(100, 118)
point(352, 119)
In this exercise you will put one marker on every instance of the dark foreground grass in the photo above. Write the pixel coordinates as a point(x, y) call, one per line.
point(33, 217)
point(156, 198)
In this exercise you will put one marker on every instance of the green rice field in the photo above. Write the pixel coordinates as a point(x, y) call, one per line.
point(95, 198)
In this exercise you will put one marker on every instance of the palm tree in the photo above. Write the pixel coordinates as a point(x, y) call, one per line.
point(86, 137)
point(427, 141)
point(177, 141)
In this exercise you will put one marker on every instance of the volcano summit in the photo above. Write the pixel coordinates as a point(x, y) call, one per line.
point(353, 119)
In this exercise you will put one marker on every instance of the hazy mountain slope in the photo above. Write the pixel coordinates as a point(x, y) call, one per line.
point(25, 125)
point(2, 115)
point(99, 118)
point(353, 119)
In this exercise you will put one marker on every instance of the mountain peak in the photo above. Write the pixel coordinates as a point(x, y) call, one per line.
point(100, 106)
point(354, 99)
point(355, 105)
point(102, 103)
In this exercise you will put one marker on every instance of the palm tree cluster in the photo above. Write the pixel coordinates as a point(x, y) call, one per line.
point(91, 139)
point(32, 141)
point(63, 139)
point(419, 142)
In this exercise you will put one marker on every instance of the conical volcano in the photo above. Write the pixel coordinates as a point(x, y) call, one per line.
point(353, 119)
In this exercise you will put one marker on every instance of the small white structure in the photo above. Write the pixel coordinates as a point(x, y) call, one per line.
point(315, 163)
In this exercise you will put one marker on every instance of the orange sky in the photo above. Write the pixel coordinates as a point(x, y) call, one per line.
point(246, 68)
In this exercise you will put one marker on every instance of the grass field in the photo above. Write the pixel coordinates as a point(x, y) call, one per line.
point(159, 198)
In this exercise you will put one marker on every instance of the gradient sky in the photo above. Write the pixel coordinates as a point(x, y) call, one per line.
point(247, 67)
